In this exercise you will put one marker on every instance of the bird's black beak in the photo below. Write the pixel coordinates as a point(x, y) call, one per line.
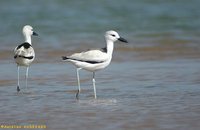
point(122, 40)
point(35, 34)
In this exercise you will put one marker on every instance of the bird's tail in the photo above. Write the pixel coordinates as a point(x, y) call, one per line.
point(64, 58)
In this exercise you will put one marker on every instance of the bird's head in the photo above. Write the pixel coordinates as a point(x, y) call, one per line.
point(114, 36)
point(28, 30)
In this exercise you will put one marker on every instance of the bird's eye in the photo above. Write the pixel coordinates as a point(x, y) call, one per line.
point(113, 35)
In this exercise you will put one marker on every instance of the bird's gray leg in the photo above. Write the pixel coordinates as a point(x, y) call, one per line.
point(93, 81)
point(27, 77)
point(78, 80)
point(18, 89)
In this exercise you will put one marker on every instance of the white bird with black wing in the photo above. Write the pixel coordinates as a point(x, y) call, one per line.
point(24, 53)
point(94, 60)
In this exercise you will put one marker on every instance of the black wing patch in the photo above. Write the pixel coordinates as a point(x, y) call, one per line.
point(64, 58)
point(93, 62)
point(100, 49)
point(104, 49)
point(15, 56)
point(25, 57)
point(87, 61)
point(26, 45)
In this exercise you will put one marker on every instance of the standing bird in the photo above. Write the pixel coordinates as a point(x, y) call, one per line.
point(94, 60)
point(24, 53)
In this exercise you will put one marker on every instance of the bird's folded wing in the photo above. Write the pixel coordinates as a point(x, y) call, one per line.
point(91, 55)
point(24, 52)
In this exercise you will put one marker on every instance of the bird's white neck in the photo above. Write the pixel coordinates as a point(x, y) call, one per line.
point(27, 38)
point(110, 47)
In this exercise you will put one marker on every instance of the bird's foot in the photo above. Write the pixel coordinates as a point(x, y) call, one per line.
point(77, 94)
point(18, 89)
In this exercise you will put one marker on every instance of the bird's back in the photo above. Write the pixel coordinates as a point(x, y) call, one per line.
point(24, 54)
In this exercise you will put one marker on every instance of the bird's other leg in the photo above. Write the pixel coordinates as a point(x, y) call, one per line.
point(93, 81)
point(18, 89)
point(78, 80)
point(27, 69)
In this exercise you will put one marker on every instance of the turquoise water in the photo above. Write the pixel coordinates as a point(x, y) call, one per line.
point(64, 22)
point(152, 83)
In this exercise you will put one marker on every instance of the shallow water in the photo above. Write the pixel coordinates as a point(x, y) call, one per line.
point(140, 95)
point(152, 83)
